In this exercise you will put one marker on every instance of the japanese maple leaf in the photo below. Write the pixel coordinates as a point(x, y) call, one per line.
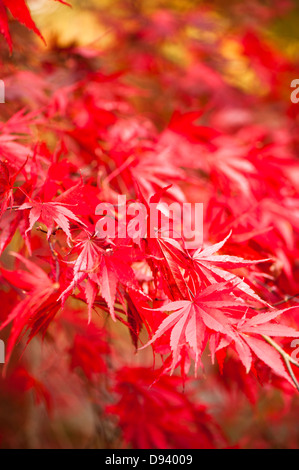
point(260, 324)
point(185, 124)
point(103, 269)
point(213, 267)
point(113, 270)
point(21, 12)
point(283, 216)
point(48, 213)
point(90, 252)
point(38, 307)
point(230, 168)
point(234, 376)
point(191, 321)
point(159, 250)
point(152, 173)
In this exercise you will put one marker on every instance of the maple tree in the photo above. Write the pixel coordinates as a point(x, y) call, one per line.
point(149, 341)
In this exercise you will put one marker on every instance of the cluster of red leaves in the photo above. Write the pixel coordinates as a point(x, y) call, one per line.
point(173, 420)
point(83, 136)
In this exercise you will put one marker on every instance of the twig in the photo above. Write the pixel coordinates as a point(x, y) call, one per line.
point(286, 357)
point(287, 298)
point(12, 207)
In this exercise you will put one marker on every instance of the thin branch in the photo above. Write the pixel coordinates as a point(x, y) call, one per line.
point(12, 207)
point(286, 357)
point(291, 372)
point(287, 298)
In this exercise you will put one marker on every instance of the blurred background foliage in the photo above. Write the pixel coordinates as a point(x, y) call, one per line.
point(97, 23)
point(145, 39)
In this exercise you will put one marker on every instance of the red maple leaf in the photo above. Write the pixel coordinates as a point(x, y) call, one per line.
point(155, 414)
point(48, 213)
point(21, 12)
point(103, 269)
point(261, 325)
point(212, 267)
point(191, 321)
point(38, 308)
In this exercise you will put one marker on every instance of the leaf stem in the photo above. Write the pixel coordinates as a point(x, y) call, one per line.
point(286, 357)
